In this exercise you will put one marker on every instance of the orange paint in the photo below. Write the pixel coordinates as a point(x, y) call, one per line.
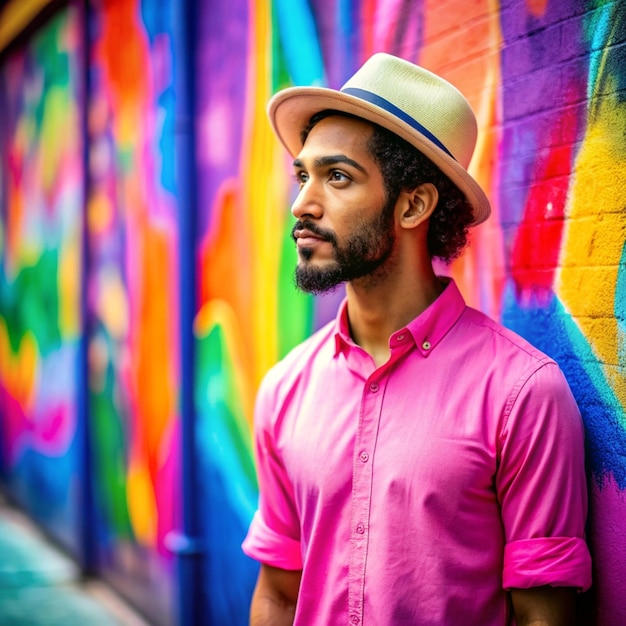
point(156, 397)
point(469, 57)
point(226, 259)
point(126, 64)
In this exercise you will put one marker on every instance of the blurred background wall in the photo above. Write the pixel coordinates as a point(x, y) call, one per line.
point(145, 277)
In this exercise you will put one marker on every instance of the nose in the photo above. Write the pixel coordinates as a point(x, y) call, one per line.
point(307, 203)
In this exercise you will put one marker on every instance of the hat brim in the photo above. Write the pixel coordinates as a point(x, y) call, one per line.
point(291, 109)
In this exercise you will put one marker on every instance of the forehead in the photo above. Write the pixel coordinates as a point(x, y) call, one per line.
point(339, 135)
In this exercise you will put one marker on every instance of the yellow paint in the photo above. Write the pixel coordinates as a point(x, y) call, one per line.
point(589, 291)
point(142, 504)
point(58, 135)
point(595, 232)
point(69, 279)
point(259, 196)
point(16, 16)
point(113, 304)
point(220, 313)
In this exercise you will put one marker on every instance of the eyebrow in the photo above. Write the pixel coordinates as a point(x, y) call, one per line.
point(332, 160)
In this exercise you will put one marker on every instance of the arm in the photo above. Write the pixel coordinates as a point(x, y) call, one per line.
point(542, 488)
point(275, 596)
point(544, 606)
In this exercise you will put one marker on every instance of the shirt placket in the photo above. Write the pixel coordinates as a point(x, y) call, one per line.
point(365, 444)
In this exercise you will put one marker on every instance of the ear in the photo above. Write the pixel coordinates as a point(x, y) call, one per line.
point(417, 206)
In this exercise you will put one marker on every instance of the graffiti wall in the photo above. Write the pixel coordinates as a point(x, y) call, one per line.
point(547, 81)
point(88, 316)
point(133, 353)
point(41, 198)
point(566, 285)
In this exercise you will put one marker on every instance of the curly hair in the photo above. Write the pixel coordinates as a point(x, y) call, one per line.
point(403, 168)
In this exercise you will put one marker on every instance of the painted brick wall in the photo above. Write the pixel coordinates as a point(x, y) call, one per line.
point(546, 79)
point(559, 187)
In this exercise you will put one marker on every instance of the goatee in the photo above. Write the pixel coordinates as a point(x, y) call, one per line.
point(364, 254)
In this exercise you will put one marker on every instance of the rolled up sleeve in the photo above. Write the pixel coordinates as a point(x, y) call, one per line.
point(555, 561)
point(541, 485)
point(267, 546)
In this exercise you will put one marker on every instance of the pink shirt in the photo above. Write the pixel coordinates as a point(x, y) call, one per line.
point(419, 491)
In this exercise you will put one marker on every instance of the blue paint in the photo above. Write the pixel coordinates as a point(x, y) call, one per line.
point(157, 20)
point(167, 141)
point(190, 605)
point(227, 492)
point(300, 42)
point(222, 427)
point(346, 40)
point(229, 575)
point(598, 28)
point(43, 486)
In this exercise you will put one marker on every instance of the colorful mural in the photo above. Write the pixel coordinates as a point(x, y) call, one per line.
point(133, 353)
point(547, 81)
point(41, 196)
point(565, 290)
point(550, 165)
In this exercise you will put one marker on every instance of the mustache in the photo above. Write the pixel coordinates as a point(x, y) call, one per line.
point(326, 235)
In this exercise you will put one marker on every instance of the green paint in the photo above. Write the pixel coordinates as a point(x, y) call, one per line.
point(110, 456)
point(31, 303)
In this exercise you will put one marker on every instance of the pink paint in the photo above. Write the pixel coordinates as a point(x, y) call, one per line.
point(54, 429)
point(14, 428)
point(608, 549)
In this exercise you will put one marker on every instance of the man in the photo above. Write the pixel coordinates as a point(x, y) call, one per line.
point(418, 463)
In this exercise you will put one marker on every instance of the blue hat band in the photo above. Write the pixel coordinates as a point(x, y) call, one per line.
point(380, 102)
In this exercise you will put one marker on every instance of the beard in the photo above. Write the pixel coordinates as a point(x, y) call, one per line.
point(364, 254)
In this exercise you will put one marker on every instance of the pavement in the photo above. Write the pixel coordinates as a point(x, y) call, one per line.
point(41, 586)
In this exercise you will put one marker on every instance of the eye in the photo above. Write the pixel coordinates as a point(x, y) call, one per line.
point(301, 177)
point(337, 176)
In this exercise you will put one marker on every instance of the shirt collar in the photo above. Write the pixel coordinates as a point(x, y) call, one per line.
point(342, 328)
point(427, 329)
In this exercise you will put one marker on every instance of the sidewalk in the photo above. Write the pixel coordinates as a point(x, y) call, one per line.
point(40, 586)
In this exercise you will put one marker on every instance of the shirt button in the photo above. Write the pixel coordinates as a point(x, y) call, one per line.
point(374, 387)
point(399, 337)
point(360, 529)
point(426, 345)
point(354, 619)
point(364, 456)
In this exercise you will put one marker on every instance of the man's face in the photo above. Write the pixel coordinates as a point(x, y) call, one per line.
point(345, 224)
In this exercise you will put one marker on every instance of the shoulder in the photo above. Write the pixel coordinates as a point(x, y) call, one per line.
point(502, 343)
point(537, 394)
point(509, 363)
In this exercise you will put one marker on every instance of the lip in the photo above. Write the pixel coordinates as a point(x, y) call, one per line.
point(305, 238)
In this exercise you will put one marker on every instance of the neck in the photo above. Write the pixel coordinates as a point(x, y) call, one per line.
point(378, 308)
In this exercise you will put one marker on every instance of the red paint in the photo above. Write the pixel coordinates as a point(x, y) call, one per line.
point(368, 19)
point(535, 254)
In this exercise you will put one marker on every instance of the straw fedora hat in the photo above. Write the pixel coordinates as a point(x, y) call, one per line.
point(419, 106)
